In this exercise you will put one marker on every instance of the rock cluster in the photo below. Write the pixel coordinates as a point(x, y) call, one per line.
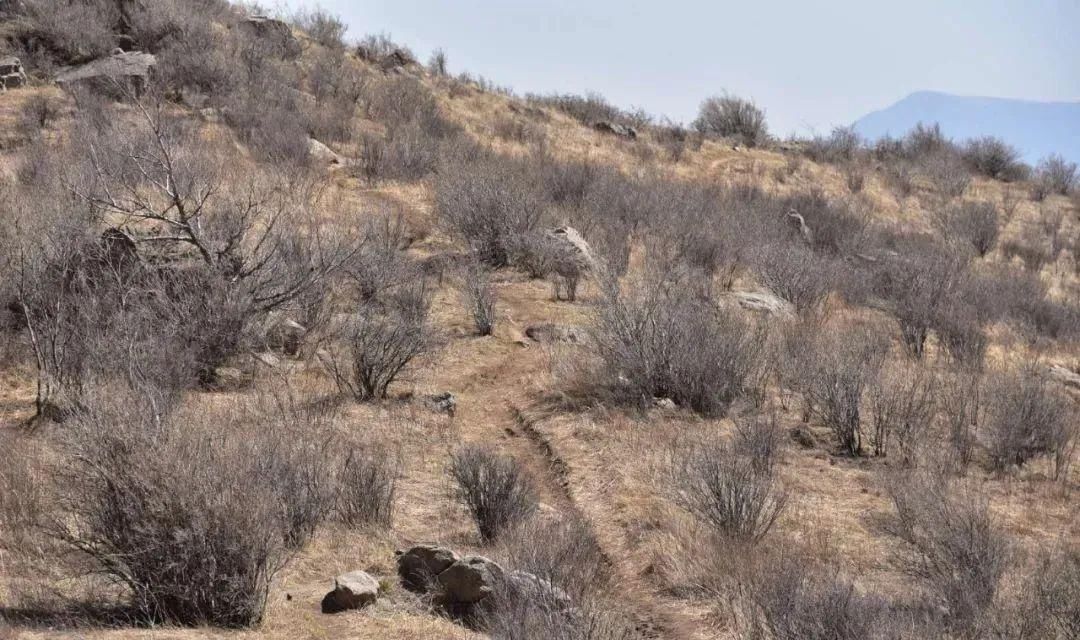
point(460, 583)
point(12, 75)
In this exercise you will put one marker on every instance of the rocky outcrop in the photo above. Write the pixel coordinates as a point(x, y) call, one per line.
point(459, 584)
point(121, 71)
point(12, 75)
point(616, 129)
point(273, 33)
point(353, 590)
point(419, 566)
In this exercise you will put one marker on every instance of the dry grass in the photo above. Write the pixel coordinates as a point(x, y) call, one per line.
point(603, 464)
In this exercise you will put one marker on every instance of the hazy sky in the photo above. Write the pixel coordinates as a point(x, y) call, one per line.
point(811, 65)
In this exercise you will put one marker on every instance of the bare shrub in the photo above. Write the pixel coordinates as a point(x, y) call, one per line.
point(494, 488)
point(976, 224)
point(1031, 251)
point(788, 598)
point(994, 158)
point(795, 273)
point(843, 144)
point(734, 117)
point(962, 409)
point(488, 204)
point(437, 64)
point(915, 287)
point(947, 173)
point(377, 344)
point(518, 130)
point(842, 368)
point(736, 496)
point(325, 28)
point(902, 403)
point(1054, 175)
point(191, 520)
point(563, 552)
point(855, 175)
point(590, 109)
point(761, 439)
point(958, 326)
point(38, 112)
point(68, 32)
point(479, 298)
point(1049, 606)
point(959, 553)
point(1026, 418)
point(366, 487)
point(659, 343)
point(926, 140)
point(674, 138)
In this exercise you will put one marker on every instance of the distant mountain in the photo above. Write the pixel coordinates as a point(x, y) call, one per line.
point(1037, 129)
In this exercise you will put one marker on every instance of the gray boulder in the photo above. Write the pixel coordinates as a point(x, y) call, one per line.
point(353, 590)
point(526, 586)
point(616, 129)
point(12, 75)
point(274, 33)
point(469, 580)
point(420, 565)
point(130, 71)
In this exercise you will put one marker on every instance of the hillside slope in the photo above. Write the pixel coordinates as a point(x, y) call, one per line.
point(1037, 129)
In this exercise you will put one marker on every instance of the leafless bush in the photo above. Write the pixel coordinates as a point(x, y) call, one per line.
point(902, 402)
point(959, 330)
point(437, 65)
point(795, 273)
point(855, 175)
point(841, 370)
point(972, 223)
point(761, 439)
point(731, 116)
point(962, 410)
point(489, 205)
point(67, 32)
point(325, 28)
point(900, 175)
point(1031, 251)
point(588, 109)
point(540, 613)
point(947, 173)
point(915, 287)
point(994, 158)
point(674, 138)
point(193, 521)
point(959, 552)
point(926, 140)
point(1026, 418)
point(366, 487)
point(1054, 175)
point(563, 552)
point(494, 488)
point(1049, 604)
point(379, 47)
point(380, 341)
point(842, 145)
point(835, 228)
point(789, 598)
point(735, 495)
point(479, 298)
point(518, 130)
point(38, 111)
point(659, 343)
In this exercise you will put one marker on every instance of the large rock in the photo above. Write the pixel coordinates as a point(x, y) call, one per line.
point(523, 585)
point(469, 580)
point(274, 33)
point(128, 71)
point(616, 129)
point(352, 590)
point(323, 153)
point(419, 566)
point(12, 74)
